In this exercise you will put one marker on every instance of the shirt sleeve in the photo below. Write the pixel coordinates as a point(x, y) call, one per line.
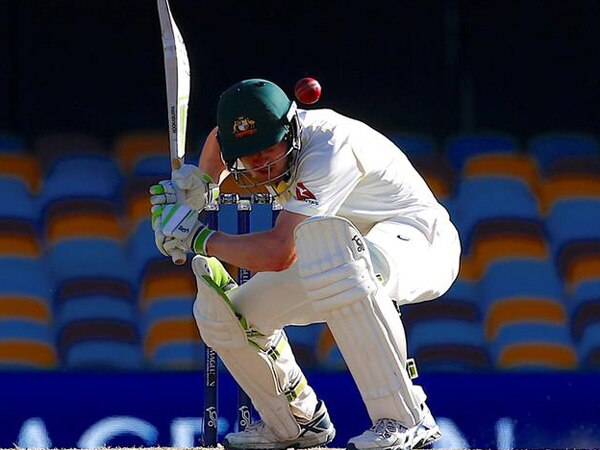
point(325, 179)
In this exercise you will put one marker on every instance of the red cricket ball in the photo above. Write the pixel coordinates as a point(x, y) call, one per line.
point(307, 90)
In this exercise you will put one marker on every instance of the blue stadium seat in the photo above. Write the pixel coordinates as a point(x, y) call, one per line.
point(534, 346)
point(521, 291)
point(82, 176)
point(588, 347)
point(304, 341)
point(22, 204)
point(95, 306)
point(461, 303)
point(107, 355)
point(571, 221)
point(25, 277)
point(414, 145)
point(26, 344)
point(153, 165)
point(584, 307)
point(493, 198)
point(548, 149)
point(88, 258)
point(142, 249)
point(459, 149)
point(448, 345)
point(10, 143)
point(178, 355)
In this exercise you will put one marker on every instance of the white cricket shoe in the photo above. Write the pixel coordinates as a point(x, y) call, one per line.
point(389, 434)
point(317, 432)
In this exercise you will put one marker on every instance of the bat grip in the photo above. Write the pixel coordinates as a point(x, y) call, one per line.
point(179, 257)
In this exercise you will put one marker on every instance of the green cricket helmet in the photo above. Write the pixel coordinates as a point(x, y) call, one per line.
point(253, 115)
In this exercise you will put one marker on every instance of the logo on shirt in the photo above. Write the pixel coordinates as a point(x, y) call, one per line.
point(304, 195)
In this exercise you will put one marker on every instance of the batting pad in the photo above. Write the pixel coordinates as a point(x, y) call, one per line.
point(336, 270)
point(264, 366)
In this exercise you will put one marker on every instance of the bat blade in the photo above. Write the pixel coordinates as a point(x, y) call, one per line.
point(177, 76)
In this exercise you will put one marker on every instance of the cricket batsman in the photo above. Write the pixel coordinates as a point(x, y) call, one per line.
point(360, 232)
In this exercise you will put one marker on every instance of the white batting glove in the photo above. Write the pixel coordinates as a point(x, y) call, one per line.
point(178, 229)
point(188, 186)
point(196, 188)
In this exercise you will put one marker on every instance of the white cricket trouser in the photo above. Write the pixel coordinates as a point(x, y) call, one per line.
point(413, 268)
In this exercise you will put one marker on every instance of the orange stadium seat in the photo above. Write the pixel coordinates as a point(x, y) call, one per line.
point(526, 347)
point(521, 292)
point(515, 165)
point(132, 147)
point(23, 167)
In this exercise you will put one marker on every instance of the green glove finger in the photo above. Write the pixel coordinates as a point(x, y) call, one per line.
point(157, 189)
point(157, 211)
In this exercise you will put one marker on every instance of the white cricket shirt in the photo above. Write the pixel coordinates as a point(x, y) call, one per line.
point(348, 169)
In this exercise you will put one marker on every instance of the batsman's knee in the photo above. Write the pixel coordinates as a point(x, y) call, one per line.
point(219, 323)
point(338, 273)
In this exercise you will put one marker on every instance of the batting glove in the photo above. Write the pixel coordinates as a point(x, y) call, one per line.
point(178, 229)
point(188, 186)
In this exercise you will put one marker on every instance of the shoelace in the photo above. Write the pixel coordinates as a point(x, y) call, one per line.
point(384, 428)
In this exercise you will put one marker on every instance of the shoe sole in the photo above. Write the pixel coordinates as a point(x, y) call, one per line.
point(316, 442)
point(433, 435)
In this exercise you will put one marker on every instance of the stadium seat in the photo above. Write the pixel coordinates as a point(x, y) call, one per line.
point(137, 201)
point(26, 344)
point(22, 203)
point(163, 280)
point(173, 343)
point(502, 239)
point(153, 166)
point(82, 177)
point(171, 339)
point(414, 145)
point(94, 350)
point(584, 307)
point(521, 291)
point(11, 144)
point(22, 167)
point(438, 174)
point(588, 347)
point(304, 341)
point(448, 345)
point(574, 236)
point(534, 346)
point(329, 356)
point(459, 149)
point(91, 218)
point(88, 258)
point(25, 289)
point(459, 303)
point(134, 147)
point(549, 148)
point(52, 147)
point(19, 237)
point(485, 199)
point(569, 187)
point(515, 165)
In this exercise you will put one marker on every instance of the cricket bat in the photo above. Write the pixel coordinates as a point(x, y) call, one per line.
point(177, 76)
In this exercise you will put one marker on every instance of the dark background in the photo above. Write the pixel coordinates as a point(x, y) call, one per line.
point(433, 67)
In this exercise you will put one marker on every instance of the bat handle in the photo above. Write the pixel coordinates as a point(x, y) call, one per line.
point(179, 257)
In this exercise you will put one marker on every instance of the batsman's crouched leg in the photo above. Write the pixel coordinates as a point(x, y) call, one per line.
point(336, 269)
point(263, 366)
